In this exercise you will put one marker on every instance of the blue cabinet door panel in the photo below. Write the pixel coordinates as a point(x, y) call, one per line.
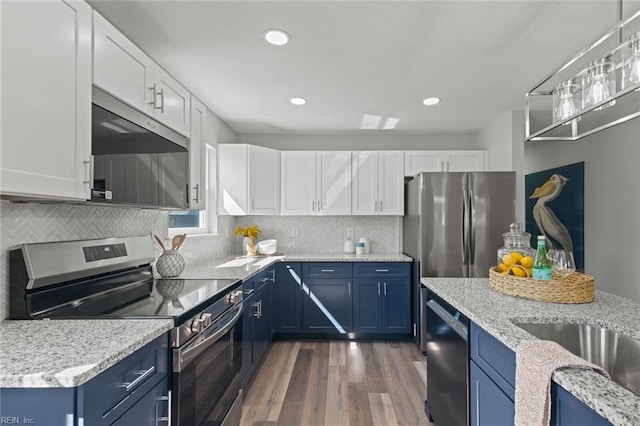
point(396, 307)
point(287, 298)
point(381, 270)
point(327, 306)
point(326, 270)
point(567, 410)
point(40, 406)
point(489, 404)
point(366, 306)
point(495, 359)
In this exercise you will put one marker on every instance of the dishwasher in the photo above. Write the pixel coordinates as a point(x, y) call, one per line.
point(447, 363)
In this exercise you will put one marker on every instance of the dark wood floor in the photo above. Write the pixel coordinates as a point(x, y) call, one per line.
point(338, 383)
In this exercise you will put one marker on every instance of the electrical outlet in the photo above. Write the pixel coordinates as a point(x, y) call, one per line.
point(294, 231)
point(350, 232)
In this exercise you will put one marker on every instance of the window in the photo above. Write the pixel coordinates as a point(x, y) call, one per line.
point(199, 221)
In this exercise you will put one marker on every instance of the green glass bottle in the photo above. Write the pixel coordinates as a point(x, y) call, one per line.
point(541, 263)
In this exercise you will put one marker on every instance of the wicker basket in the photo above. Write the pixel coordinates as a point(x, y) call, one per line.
point(576, 288)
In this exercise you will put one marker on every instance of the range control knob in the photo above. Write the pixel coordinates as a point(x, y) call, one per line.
point(207, 319)
point(197, 325)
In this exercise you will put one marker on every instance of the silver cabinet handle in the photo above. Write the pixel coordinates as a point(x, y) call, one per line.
point(378, 288)
point(260, 308)
point(313, 206)
point(375, 206)
point(382, 270)
point(447, 165)
point(253, 204)
point(442, 166)
point(380, 206)
point(143, 375)
point(256, 314)
point(153, 100)
point(163, 419)
point(88, 171)
point(264, 280)
point(162, 101)
point(349, 289)
point(196, 190)
point(327, 270)
point(385, 289)
point(273, 275)
point(319, 205)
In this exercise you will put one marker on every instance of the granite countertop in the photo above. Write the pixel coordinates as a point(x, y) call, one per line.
point(68, 353)
point(237, 267)
point(496, 313)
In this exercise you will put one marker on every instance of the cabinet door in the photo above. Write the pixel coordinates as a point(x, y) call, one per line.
point(150, 410)
point(46, 99)
point(326, 306)
point(298, 183)
point(422, 161)
point(333, 183)
point(464, 161)
point(396, 306)
point(172, 179)
point(390, 183)
point(197, 155)
point(287, 298)
point(171, 102)
point(249, 311)
point(120, 67)
point(264, 181)
point(261, 331)
point(232, 179)
point(568, 410)
point(366, 306)
point(489, 405)
point(364, 182)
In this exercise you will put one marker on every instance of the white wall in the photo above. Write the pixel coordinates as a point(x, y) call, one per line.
point(361, 141)
point(612, 201)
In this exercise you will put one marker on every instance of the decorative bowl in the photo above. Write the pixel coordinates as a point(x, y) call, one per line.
point(267, 246)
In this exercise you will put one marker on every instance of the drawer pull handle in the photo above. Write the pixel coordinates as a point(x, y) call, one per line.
point(143, 375)
point(264, 280)
point(382, 270)
point(327, 270)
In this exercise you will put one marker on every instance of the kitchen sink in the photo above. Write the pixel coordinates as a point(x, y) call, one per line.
point(613, 351)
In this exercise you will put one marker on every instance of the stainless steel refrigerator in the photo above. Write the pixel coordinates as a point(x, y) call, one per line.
point(453, 226)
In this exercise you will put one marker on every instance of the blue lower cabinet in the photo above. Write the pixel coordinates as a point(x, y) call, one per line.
point(256, 331)
point(367, 309)
point(567, 410)
point(396, 307)
point(286, 314)
point(489, 404)
point(134, 391)
point(248, 312)
point(381, 306)
point(326, 306)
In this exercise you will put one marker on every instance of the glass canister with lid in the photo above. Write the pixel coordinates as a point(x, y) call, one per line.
point(516, 256)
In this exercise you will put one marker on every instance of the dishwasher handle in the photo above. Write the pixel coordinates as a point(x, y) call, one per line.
point(458, 326)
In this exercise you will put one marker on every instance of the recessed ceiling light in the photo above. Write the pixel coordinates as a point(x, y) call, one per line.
point(298, 101)
point(431, 101)
point(276, 37)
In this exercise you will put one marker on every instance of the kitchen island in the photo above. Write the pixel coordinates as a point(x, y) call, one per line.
point(496, 313)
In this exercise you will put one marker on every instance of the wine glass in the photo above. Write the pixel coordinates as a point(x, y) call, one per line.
point(563, 262)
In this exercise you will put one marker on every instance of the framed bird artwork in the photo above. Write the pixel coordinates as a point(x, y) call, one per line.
point(554, 206)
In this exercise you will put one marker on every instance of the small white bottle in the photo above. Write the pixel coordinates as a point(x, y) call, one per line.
point(367, 245)
point(359, 247)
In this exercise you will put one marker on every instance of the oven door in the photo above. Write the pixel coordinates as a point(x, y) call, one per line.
point(207, 373)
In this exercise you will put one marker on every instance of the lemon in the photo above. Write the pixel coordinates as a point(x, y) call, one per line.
point(504, 272)
point(518, 271)
point(516, 257)
point(526, 261)
point(508, 260)
point(503, 267)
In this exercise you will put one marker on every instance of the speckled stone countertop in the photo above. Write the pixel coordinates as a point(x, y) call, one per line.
point(68, 353)
point(236, 267)
point(496, 313)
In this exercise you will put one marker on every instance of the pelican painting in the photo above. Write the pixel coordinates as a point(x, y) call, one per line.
point(555, 232)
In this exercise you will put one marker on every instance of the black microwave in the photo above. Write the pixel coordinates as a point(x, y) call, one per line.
point(137, 161)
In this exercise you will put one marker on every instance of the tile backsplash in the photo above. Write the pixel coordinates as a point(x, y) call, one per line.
point(326, 234)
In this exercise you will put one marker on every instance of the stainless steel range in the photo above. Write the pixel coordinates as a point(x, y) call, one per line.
point(112, 278)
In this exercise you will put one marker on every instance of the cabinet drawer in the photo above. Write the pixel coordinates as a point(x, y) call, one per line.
point(261, 279)
point(326, 270)
point(110, 394)
point(381, 270)
point(494, 358)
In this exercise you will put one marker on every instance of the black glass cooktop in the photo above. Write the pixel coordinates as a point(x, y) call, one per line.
point(164, 298)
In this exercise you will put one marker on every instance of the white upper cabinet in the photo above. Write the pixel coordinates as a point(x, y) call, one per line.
point(126, 72)
point(378, 182)
point(298, 183)
point(248, 180)
point(444, 161)
point(316, 183)
point(46, 99)
point(197, 152)
point(120, 67)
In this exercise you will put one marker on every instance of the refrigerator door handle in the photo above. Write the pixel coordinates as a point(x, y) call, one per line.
point(472, 230)
point(465, 227)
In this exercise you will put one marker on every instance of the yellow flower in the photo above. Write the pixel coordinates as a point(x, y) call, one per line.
point(250, 231)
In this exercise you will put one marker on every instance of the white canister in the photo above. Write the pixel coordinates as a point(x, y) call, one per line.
point(359, 247)
point(367, 245)
point(349, 246)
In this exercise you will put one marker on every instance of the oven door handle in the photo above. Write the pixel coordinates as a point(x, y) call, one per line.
point(188, 354)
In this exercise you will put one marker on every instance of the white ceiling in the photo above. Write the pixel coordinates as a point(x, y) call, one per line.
point(350, 58)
